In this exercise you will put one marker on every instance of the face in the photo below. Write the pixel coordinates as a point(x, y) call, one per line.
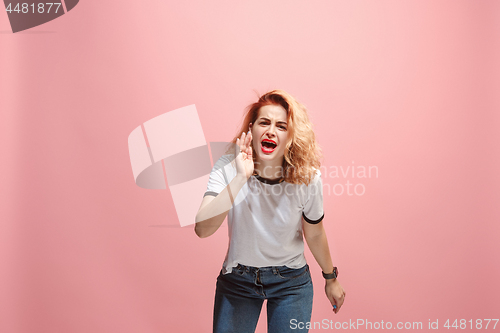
point(270, 133)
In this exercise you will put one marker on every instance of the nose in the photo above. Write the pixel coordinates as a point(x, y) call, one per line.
point(272, 130)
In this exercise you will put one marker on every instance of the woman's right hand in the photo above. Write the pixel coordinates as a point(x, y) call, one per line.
point(244, 158)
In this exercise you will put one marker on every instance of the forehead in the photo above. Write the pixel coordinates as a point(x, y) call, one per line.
point(273, 112)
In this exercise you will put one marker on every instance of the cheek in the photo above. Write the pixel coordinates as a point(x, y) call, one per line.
point(284, 138)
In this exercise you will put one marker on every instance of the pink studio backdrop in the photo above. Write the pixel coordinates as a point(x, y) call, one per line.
point(410, 87)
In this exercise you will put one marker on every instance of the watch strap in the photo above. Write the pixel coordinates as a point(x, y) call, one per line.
point(331, 275)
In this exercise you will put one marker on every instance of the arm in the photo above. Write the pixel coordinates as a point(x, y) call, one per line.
point(315, 236)
point(213, 210)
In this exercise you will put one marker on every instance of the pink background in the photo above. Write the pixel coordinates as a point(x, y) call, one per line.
point(408, 86)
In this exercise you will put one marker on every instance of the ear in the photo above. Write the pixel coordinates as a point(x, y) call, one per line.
point(250, 126)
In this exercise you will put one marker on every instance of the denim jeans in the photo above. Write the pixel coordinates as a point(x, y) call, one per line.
point(239, 296)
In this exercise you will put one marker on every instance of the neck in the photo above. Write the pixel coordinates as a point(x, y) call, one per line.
point(269, 169)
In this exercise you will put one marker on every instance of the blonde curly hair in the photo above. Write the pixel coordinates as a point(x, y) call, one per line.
point(302, 152)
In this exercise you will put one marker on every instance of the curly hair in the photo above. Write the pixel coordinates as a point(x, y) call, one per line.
point(302, 152)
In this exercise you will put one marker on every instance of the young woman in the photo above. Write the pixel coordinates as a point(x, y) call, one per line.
point(269, 186)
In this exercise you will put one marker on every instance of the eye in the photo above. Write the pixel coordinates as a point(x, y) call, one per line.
point(283, 128)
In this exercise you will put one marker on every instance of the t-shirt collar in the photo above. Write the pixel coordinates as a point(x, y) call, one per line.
point(268, 181)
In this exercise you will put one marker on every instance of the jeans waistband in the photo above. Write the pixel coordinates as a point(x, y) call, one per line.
point(274, 269)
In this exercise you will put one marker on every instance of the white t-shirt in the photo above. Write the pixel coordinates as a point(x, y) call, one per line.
point(265, 221)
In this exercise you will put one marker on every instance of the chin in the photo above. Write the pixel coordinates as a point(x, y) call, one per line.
point(271, 157)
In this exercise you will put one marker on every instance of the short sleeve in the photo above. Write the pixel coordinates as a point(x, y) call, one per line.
point(218, 179)
point(313, 209)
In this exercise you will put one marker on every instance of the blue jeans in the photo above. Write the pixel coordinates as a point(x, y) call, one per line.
point(239, 296)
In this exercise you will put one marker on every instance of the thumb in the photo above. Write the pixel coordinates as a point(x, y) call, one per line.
point(334, 305)
point(333, 302)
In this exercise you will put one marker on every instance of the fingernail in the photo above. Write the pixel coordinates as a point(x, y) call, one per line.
point(334, 306)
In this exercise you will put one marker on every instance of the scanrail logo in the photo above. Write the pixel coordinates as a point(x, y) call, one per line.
point(25, 15)
point(171, 150)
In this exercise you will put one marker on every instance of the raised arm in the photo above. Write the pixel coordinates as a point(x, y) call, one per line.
point(213, 210)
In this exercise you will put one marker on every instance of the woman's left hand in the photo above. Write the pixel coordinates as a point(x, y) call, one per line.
point(335, 294)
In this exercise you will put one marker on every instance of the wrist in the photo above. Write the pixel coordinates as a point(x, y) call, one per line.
point(331, 275)
point(330, 281)
point(241, 179)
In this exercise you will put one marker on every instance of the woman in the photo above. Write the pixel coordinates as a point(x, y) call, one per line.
point(272, 193)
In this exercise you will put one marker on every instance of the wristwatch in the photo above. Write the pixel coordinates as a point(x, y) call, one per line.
point(331, 275)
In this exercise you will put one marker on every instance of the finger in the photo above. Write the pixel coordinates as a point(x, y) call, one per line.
point(248, 141)
point(243, 141)
point(336, 302)
point(238, 146)
point(337, 306)
point(332, 301)
point(339, 303)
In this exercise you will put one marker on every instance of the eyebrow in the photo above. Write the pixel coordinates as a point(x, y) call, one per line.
point(279, 122)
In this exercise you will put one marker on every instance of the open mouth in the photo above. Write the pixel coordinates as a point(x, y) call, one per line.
point(268, 146)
